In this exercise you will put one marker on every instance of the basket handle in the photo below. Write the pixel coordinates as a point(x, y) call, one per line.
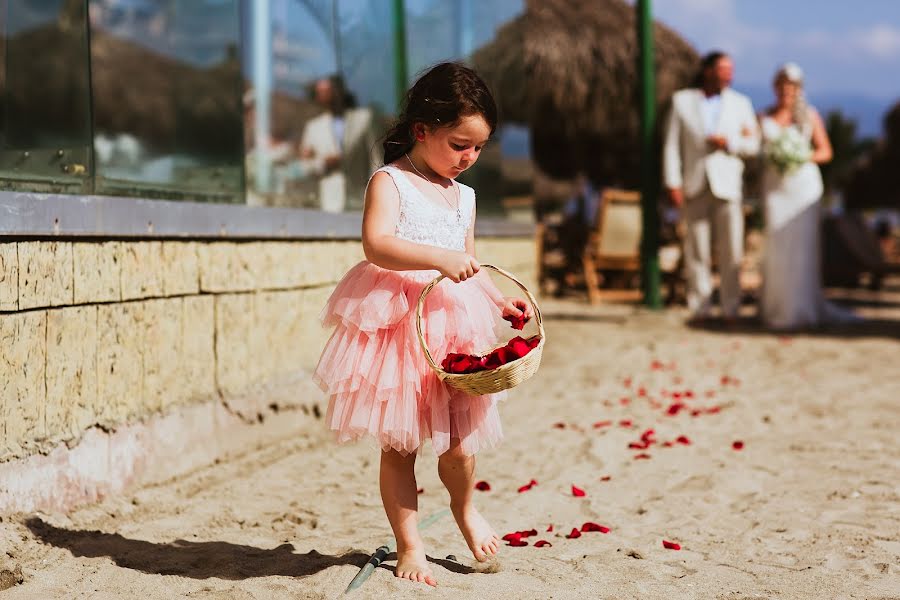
point(535, 309)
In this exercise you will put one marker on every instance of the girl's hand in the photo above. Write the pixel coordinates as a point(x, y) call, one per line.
point(458, 266)
point(516, 308)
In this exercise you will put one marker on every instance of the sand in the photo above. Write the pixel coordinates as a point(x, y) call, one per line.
point(808, 508)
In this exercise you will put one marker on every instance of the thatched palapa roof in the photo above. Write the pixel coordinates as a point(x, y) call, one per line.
point(568, 70)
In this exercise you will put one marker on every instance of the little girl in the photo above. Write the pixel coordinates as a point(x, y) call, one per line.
point(418, 222)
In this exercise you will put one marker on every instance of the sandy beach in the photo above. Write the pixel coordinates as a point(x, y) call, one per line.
point(807, 508)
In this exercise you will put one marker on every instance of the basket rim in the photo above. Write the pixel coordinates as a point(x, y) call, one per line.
point(444, 375)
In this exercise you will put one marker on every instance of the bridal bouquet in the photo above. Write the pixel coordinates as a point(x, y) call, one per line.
point(789, 150)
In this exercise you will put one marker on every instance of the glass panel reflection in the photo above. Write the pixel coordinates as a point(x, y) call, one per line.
point(45, 114)
point(167, 98)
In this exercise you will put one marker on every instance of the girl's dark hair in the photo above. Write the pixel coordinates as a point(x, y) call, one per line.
point(443, 95)
point(709, 60)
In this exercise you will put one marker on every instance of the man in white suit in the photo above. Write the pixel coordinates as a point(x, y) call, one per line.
point(337, 144)
point(710, 129)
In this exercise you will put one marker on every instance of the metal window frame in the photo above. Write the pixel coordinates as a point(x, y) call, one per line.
point(28, 214)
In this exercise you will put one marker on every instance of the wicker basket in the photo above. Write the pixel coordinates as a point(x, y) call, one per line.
point(492, 380)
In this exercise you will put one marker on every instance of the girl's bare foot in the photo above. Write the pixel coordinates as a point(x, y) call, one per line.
point(481, 538)
point(413, 565)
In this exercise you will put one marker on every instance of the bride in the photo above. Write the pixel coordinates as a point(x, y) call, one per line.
point(795, 143)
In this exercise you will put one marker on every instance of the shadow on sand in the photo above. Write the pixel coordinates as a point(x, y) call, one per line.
point(201, 560)
point(197, 560)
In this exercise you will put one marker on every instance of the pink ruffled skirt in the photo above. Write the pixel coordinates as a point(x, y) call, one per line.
point(375, 373)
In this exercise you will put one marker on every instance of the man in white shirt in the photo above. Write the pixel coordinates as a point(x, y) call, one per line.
point(710, 129)
point(338, 143)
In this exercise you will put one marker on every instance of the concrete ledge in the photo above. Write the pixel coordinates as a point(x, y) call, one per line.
point(59, 215)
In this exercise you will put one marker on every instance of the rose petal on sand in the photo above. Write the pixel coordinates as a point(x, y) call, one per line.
point(577, 492)
point(671, 545)
point(559, 425)
point(737, 444)
point(483, 486)
point(683, 439)
point(542, 543)
point(606, 478)
point(528, 532)
point(642, 455)
point(527, 486)
point(509, 537)
point(517, 543)
point(589, 526)
point(625, 423)
point(574, 534)
point(600, 424)
point(550, 528)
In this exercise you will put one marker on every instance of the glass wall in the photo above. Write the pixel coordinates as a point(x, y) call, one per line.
point(45, 116)
point(269, 102)
point(167, 87)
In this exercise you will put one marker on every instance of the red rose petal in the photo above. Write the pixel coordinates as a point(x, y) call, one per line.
point(668, 444)
point(574, 534)
point(550, 527)
point(600, 424)
point(606, 478)
point(641, 456)
point(627, 382)
point(542, 543)
point(509, 537)
point(675, 408)
point(624, 401)
point(589, 526)
point(577, 492)
point(625, 423)
point(671, 545)
point(737, 445)
point(483, 486)
point(517, 543)
point(683, 439)
point(642, 391)
point(528, 533)
point(559, 425)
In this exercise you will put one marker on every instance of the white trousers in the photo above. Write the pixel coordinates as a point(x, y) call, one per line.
point(721, 221)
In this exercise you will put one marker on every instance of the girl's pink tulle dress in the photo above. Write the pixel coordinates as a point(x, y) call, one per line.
point(373, 368)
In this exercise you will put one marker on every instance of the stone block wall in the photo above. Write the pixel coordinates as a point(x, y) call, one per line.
point(107, 334)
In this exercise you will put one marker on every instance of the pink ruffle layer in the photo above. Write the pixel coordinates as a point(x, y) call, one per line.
point(376, 375)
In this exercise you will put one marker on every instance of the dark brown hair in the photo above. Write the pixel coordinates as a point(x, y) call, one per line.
point(443, 95)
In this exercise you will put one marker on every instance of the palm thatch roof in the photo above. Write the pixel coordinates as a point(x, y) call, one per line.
point(876, 180)
point(568, 70)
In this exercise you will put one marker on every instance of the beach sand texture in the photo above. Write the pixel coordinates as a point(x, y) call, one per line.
point(808, 508)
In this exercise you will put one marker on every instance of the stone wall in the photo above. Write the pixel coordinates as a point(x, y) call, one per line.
point(103, 335)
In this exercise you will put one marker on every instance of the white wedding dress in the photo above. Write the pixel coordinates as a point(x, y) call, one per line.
point(792, 296)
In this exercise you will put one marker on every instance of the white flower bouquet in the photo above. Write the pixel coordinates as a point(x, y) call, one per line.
point(789, 150)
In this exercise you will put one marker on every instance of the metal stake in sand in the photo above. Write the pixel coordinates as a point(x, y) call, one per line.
point(383, 551)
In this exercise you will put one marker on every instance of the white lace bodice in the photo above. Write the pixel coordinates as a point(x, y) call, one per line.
point(424, 222)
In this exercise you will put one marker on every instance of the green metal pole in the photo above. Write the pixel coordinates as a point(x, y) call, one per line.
point(401, 68)
point(650, 274)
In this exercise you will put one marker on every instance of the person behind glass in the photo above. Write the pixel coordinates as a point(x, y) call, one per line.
point(332, 139)
point(418, 222)
point(710, 129)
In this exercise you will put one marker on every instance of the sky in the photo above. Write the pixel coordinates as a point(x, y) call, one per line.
point(848, 49)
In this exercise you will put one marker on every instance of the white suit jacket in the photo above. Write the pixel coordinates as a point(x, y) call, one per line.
point(357, 151)
point(688, 162)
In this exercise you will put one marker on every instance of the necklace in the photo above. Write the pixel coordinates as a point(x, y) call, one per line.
point(458, 214)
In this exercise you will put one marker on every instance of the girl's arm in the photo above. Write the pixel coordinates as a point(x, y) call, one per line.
point(822, 152)
point(508, 306)
point(383, 248)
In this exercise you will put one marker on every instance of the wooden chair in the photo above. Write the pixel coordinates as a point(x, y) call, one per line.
point(614, 244)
